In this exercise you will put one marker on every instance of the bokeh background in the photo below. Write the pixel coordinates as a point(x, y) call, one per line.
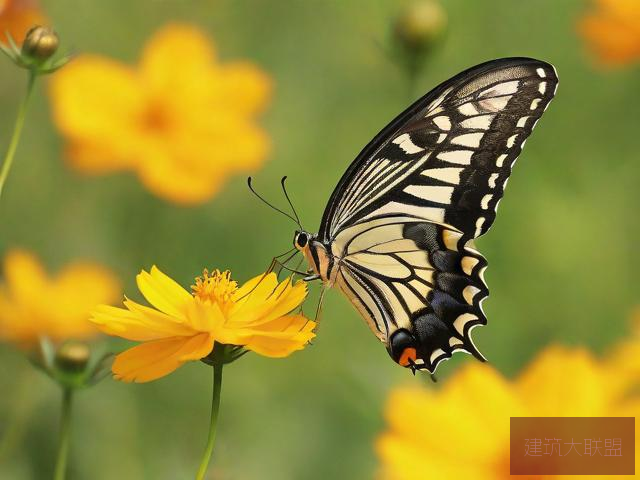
point(562, 254)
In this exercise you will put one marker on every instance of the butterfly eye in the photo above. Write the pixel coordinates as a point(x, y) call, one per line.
point(301, 240)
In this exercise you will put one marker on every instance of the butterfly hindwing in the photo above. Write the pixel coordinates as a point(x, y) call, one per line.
point(415, 276)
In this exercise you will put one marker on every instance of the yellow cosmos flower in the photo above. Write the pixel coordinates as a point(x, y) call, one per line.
point(181, 120)
point(462, 430)
point(624, 357)
point(612, 31)
point(183, 326)
point(17, 17)
point(34, 305)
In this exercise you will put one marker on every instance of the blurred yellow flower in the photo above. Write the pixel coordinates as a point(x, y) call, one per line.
point(624, 357)
point(18, 16)
point(183, 326)
point(612, 30)
point(462, 430)
point(181, 120)
point(33, 304)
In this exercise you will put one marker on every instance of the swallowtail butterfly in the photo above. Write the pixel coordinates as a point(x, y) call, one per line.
point(397, 237)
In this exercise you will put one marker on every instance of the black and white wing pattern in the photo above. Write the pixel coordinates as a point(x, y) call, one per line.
point(402, 220)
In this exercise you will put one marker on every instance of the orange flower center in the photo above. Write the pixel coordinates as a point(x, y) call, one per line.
point(156, 117)
point(215, 287)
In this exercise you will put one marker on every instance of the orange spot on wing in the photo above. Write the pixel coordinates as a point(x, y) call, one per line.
point(408, 354)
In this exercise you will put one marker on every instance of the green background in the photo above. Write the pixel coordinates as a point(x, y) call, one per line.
point(562, 253)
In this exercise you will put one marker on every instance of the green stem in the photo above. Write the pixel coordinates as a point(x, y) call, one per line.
point(17, 130)
point(218, 359)
point(65, 430)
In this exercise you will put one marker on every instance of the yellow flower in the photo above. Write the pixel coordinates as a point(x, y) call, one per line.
point(18, 16)
point(183, 326)
point(32, 304)
point(181, 120)
point(612, 30)
point(462, 430)
point(624, 357)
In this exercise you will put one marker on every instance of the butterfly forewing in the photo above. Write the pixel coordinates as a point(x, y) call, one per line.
point(402, 218)
point(447, 158)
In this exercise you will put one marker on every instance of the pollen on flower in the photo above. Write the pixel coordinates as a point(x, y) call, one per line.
point(215, 287)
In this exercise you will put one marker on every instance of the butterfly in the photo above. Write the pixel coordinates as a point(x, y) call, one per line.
point(397, 236)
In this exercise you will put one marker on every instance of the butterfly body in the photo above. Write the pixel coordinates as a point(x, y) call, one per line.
point(318, 255)
point(397, 236)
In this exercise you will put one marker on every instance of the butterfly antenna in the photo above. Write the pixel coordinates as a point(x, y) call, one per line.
point(270, 204)
point(286, 194)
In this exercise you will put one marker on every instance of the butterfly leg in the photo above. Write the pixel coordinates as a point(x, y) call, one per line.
point(320, 303)
point(282, 265)
point(275, 262)
point(291, 270)
point(319, 307)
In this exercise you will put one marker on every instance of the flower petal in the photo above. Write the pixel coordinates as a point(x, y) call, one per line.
point(97, 104)
point(164, 293)
point(550, 387)
point(24, 277)
point(266, 300)
point(243, 88)
point(252, 291)
point(625, 360)
point(16, 325)
point(477, 399)
point(286, 335)
point(612, 31)
point(17, 17)
point(138, 323)
point(81, 286)
point(153, 360)
point(188, 183)
point(35, 305)
point(286, 299)
point(205, 316)
point(175, 56)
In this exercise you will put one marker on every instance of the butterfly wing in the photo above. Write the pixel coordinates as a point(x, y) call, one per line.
point(404, 215)
point(414, 275)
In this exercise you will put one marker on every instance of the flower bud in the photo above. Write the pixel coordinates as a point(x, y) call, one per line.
point(72, 357)
point(420, 24)
point(40, 43)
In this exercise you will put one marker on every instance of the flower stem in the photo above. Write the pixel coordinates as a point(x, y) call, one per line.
point(218, 362)
point(65, 427)
point(17, 130)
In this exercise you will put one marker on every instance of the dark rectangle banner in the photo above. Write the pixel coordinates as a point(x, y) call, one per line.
point(572, 446)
